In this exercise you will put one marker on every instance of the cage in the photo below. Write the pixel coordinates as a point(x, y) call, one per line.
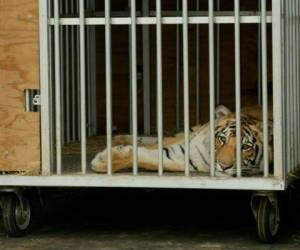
point(154, 69)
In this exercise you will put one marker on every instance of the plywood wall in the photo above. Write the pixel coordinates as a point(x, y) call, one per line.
point(19, 69)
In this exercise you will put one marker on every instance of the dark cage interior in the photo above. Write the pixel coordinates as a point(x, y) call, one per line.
point(172, 68)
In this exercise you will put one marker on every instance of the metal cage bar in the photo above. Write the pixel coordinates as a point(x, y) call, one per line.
point(46, 115)
point(211, 41)
point(82, 87)
point(62, 71)
point(108, 69)
point(134, 86)
point(218, 52)
point(177, 71)
point(264, 87)
point(259, 60)
point(297, 30)
point(278, 56)
point(159, 87)
point(146, 72)
point(67, 79)
point(57, 89)
point(73, 75)
point(296, 82)
point(197, 69)
point(237, 86)
point(292, 86)
point(289, 55)
point(186, 86)
point(246, 19)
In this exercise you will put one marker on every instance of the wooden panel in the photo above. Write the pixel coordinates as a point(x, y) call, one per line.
point(19, 69)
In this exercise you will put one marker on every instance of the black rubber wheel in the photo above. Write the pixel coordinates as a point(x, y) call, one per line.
point(15, 221)
point(267, 221)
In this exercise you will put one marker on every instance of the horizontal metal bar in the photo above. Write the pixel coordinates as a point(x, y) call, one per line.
point(164, 20)
point(147, 181)
point(178, 12)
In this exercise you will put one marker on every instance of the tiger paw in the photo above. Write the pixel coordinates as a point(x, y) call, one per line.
point(99, 163)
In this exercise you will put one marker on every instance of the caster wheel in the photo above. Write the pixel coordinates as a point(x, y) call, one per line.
point(16, 220)
point(267, 220)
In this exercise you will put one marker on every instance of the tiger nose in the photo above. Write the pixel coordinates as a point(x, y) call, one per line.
point(225, 166)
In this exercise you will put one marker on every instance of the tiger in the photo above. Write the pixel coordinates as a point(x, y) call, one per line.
point(199, 146)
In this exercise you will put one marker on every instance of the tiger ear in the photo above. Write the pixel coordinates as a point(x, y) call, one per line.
point(222, 111)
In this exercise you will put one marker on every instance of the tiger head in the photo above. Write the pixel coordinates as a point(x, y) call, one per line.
point(251, 143)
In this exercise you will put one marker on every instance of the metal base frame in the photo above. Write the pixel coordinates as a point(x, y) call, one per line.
point(121, 180)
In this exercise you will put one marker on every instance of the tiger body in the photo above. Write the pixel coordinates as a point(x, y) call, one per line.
point(199, 146)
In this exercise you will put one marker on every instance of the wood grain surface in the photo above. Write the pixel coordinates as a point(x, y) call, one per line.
point(19, 70)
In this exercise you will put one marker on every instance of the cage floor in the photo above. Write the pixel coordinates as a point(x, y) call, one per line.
point(71, 154)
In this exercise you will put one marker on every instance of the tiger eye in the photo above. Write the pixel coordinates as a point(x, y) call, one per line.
point(222, 139)
point(246, 147)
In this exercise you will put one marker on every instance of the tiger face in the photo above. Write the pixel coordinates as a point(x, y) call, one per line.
point(251, 144)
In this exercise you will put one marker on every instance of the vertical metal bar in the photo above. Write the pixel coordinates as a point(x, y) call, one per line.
point(51, 71)
point(177, 71)
point(130, 73)
point(67, 72)
point(73, 75)
point(211, 86)
point(82, 85)
point(292, 85)
point(278, 97)
point(264, 86)
point(296, 98)
point(237, 84)
point(186, 85)
point(62, 72)
point(45, 89)
point(297, 30)
point(159, 87)
point(146, 71)
point(108, 66)
point(288, 82)
point(294, 74)
point(134, 86)
point(93, 74)
point(57, 88)
point(88, 75)
point(197, 70)
point(218, 37)
point(291, 82)
point(259, 76)
point(78, 82)
point(88, 32)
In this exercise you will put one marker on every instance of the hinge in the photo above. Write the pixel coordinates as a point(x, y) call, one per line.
point(32, 100)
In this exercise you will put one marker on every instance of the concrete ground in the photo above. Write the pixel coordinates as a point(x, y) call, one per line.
point(152, 219)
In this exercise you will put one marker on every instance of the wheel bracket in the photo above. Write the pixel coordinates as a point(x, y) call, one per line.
point(18, 192)
point(272, 197)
